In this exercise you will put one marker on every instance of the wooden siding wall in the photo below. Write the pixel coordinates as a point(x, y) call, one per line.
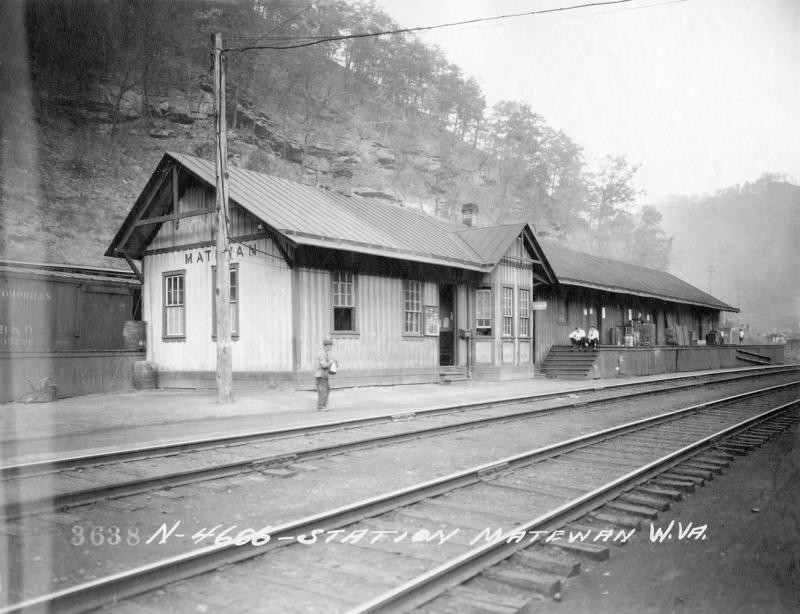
point(200, 228)
point(265, 301)
point(627, 362)
point(379, 343)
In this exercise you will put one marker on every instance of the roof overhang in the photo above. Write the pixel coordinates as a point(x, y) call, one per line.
point(617, 290)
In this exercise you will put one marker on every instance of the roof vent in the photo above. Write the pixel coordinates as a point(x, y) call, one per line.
point(343, 180)
point(469, 214)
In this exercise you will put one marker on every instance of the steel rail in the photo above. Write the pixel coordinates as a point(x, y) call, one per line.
point(11, 510)
point(141, 579)
point(434, 582)
point(167, 449)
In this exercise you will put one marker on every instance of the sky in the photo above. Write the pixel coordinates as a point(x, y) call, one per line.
point(701, 94)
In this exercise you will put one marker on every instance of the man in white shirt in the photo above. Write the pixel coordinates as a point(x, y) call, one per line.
point(593, 338)
point(578, 338)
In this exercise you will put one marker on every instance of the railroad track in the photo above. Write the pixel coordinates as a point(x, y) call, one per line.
point(433, 536)
point(29, 488)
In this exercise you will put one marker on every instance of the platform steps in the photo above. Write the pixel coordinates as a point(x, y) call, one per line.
point(752, 357)
point(563, 363)
point(449, 375)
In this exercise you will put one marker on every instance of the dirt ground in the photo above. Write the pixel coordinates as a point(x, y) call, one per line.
point(749, 560)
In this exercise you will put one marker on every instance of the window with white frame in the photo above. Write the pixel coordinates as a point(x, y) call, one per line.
point(412, 306)
point(483, 311)
point(508, 312)
point(524, 313)
point(174, 305)
point(233, 301)
point(344, 301)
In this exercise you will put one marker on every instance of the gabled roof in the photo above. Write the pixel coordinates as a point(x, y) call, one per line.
point(308, 215)
point(493, 242)
point(579, 269)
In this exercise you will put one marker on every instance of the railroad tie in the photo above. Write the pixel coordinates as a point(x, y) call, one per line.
point(636, 510)
point(685, 470)
point(594, 552)
point(638, 498)
point(717, 459)
point(673, 475)
point(483, 602)
point(660, 491)
point(756, 442)
point(622, 520)
point(677, 483)
point(703, 466)
point(529, 580)
point(766, 431)
point(536, 558)
point(732, 447)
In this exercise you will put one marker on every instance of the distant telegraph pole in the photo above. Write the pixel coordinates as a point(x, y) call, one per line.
point(222, 291)
point(738, 300)
point(711, 272)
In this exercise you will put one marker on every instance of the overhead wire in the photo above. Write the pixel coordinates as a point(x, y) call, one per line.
point(298, 42)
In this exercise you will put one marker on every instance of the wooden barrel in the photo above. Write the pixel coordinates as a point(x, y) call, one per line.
point(134, 334)
point(144, 375)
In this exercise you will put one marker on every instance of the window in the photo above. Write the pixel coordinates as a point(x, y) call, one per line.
point(508, 312)
point(343, 301)
point(483, 311)
point(233, 301)
point(524, 313)
point(412, 306)
point(174, 306)
point(562, 310)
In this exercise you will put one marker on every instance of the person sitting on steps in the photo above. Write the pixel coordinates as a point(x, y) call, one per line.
point(593, 338)
point(578, 338)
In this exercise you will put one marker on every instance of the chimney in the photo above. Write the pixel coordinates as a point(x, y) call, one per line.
point(343, 180)
point(469, 214)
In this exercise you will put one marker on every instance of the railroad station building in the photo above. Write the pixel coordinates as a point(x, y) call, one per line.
point(406, 297)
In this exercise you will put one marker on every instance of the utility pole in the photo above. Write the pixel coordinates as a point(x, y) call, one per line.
point(222, 291)
point(711, 272)
point(738, 301)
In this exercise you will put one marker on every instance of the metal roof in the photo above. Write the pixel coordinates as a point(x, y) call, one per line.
point(493, 242)
point(580, 269)
point(310, 215)
point(72, 272)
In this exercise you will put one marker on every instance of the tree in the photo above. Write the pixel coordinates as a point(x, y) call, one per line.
point(649, 246)
point(610, 196)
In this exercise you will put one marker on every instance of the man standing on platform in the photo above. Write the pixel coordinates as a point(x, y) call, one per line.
point(324, 362)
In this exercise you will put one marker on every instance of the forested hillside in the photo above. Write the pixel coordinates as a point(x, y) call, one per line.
point(114, 83)
point(745, 239)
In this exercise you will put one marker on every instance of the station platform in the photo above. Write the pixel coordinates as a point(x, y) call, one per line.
point(102, 422)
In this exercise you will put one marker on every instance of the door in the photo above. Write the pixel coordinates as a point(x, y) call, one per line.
point(447, 325)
